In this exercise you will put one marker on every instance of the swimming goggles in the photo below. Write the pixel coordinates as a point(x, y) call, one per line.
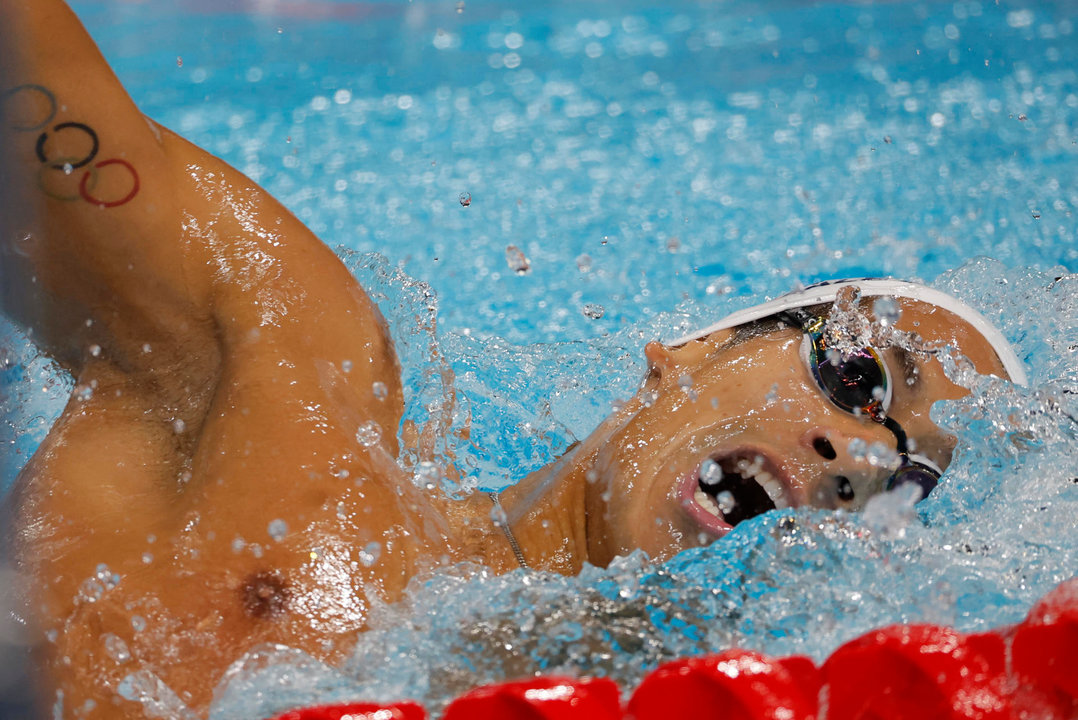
point(859, 383)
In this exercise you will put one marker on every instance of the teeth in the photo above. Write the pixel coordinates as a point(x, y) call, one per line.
point(768, 482)
point(707, 502)
point(773, 488)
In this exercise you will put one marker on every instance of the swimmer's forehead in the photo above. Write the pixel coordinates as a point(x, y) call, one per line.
point(946, 319)
point(938, 326)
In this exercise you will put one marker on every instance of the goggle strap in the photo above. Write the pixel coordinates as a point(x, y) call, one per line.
point(899, 433)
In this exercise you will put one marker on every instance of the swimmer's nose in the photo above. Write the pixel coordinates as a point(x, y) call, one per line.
point(844, 477)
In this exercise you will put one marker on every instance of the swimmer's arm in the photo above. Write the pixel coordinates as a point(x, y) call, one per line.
point(88, 243)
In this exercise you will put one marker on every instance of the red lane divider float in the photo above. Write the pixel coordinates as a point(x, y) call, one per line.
point(918, 671)
point(1044, 649)
point(734, 685)
point(549, 698)
point(914, 672)
point(358, 711)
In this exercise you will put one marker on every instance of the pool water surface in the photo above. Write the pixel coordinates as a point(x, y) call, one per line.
point(558, 183)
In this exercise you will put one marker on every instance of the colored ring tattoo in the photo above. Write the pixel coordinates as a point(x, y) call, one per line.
point(63, 126)
point(35, 88)
point(44, 187)
point(85, 192)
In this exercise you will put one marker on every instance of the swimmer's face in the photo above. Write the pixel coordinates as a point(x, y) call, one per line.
point(755, 410)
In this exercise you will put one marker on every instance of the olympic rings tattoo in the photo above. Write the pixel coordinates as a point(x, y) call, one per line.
point(64, 126)
point(49, 98)
point(85, 192)
point(91, 173)
point(43, 185)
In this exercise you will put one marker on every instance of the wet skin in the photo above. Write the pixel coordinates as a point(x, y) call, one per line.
point(205, 491)
point(759, 400)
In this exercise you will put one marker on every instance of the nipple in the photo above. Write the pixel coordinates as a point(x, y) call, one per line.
point(265, 595)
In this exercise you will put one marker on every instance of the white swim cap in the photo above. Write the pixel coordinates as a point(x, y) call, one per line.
point(826, 292)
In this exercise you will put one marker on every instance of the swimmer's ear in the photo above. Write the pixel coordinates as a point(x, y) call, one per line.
point(660, 360)
point(665, 359)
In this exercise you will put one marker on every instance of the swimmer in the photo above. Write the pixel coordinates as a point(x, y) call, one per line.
point(225, 473)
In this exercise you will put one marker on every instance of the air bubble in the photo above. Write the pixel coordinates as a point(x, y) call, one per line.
point(277, 529)
point(465, 199)
point(370, 553)
point(593, 311)
point(710, 472)
point(380, 390)
point(726, 502)
point(583, 262)
point(116, 648)
point(368, 434)
point(515, 258)
point(886, 310)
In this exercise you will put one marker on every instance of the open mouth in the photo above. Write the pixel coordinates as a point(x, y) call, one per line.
point(735, 487)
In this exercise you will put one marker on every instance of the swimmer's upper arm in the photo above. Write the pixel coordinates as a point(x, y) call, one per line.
point(87, 211)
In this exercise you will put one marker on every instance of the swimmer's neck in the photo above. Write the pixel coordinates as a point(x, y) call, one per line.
point(556, 514)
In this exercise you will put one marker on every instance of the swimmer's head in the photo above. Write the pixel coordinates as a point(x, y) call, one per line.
point(818, 398)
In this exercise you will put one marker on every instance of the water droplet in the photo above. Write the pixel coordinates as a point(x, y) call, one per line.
point(460, 7)
point(370, 553)
point(342, 511)
point(726, 501)
point(593, 310)
point(95, 350)
point(772, 393)
point(710, 472)
point(146, 347)
point(138, 623)
point(498, 516)
point(84, 393)
point(1022, 118)
point(178, 426)
point(685, 382)
point(179, 61)
point(368, 434)
point(591, 476)
point(277, 529)
point(1036, 215)
point(346, 366)
point(428, 474)
point(147, 558)
point(887, 139)
point(52, 636)
point(238, 544)
point(380, 390)
point(516, 260)
point(465, 199)
point(116, 648)
point(886, 310)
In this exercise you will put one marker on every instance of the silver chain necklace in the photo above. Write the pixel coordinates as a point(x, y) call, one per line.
point(508, 531)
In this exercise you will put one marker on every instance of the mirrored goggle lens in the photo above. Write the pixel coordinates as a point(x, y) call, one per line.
point(849, 381)
point(921, 475)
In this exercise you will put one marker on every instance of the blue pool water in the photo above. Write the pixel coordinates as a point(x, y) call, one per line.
point(656, 165)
